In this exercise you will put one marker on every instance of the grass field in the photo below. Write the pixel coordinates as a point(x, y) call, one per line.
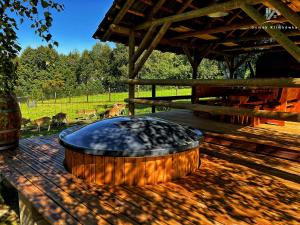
point(99, 102)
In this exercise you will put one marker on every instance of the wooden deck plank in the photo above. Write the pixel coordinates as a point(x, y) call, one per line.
point(52, 212)
point(110, 199)
point(76, 192)
point(68, 203)
point(273, 162)
point(267, 134)
point(232, 187)
point(242, 193)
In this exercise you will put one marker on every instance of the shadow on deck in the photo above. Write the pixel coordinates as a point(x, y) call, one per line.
point(232, 186)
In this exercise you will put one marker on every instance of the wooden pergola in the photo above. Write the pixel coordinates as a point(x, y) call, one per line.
point(214, 29)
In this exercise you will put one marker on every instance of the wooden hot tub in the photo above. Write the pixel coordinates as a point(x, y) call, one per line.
point(131, 151)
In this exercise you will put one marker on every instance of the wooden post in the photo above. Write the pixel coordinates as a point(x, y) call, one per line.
point(194, 60)
point(153, 96)
point(280, 37)
point(251, 70)
point(195, 75)
point(131, 65)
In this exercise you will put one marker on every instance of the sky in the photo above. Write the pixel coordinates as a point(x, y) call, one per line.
point(72, 28)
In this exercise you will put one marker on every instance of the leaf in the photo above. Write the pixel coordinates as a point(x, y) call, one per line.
point(45, 4)
point(48, 37)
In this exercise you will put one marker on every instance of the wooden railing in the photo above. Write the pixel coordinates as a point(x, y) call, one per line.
point(274, 82)
point(223, 110)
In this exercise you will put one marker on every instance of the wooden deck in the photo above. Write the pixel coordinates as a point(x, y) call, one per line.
point(283, 142)
point(231, 187)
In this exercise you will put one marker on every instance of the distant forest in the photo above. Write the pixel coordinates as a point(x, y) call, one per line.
point(43, 71)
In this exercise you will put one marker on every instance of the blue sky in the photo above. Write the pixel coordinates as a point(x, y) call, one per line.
point(72, 28)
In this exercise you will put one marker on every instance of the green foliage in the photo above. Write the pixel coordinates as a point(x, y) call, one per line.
point(42, 71)
point(10, 11)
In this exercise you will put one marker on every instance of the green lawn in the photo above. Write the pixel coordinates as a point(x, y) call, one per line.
point(70, 106)
point(100, 102)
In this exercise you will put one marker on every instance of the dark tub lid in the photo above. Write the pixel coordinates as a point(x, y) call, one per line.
point(131, 136)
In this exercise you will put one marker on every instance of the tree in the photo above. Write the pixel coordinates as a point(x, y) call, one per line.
point(9, 47)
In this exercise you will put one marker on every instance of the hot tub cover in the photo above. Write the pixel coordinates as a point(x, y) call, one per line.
point(131, 136)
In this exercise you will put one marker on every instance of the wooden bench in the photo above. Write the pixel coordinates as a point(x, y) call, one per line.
point(271, 99)
point(50, 195)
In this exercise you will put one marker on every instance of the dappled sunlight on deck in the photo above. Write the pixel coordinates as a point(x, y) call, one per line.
point(232, 186)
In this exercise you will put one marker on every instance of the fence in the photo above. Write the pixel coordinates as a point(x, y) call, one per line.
point(34, 108)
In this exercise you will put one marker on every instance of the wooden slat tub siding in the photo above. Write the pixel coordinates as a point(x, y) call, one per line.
point(160, 169)
point(119, 170)
point(168, 168)
point(141, 171)
point(89, 168)
point(99, 170)
point(151, 171)
point(109, 170)
point(131, 170)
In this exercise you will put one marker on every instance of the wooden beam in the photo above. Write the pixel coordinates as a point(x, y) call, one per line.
point(279, 36)
point(221, 29)
point(155, 9)
point(251, 38)
point(219, 7)
point(157, 39)
point(261, 46)
point(221, 110)
point(144, 43)
point(274, 82)
point(150, 31)
point(168, 98)
point(119, 17)
point(125, 32)
point(131, 88)
point(150, 49)
point(286, 11)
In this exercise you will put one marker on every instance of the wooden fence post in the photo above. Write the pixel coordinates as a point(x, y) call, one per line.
point(153, 96)
point(109, 94)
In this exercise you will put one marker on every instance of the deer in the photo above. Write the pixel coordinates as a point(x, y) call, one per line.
point(25, 122)
point(42, 121)
point(59, 118)
point(116, 110)
point(87, 112)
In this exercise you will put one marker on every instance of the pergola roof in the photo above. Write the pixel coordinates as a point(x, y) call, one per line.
point(231, 34)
